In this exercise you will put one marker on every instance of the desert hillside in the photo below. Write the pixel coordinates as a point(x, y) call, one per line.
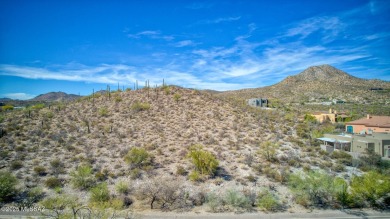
point(94, 138)
point(320, 83)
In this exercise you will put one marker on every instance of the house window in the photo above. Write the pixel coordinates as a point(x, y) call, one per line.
point(388, 152)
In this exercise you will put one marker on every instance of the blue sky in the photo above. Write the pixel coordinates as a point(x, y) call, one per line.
point(76, 46)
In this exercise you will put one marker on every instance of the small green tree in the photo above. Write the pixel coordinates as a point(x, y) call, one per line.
point(8, 184)
point(64, 206)
point(371, 187)
point(82, 177)
point(204, 161)
point(267, 201)
point(138, 157)
point(315, 187)
point(100, 194)
point(268, 149)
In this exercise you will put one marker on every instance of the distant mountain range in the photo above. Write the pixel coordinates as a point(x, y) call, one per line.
point(55, 96)
point(319, 83)
point(48, 97)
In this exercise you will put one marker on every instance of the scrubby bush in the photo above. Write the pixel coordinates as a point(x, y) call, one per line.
point(267, 201)
point(342, 157)
point(7, 107)
point(122, 187)
point(372, 188)
point(138, 157)
point(315, 188)
point(195, 176)
point(16, 164)
point(138, 106)
point(53, 182)
point(103, 111)
point(38, 106)
point(57, 166)
point(40, 170)
point(177, 97)
point(100, 194)
point(180, 170)
point(214, 202)
point(237, 200)
point(82, 177)
point(167, 192)
point(204, 161)
point(63, 206)
point(268, 150)
point(8, 184)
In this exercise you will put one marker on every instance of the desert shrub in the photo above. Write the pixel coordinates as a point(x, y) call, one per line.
point(33, 195)
point(237, 200)
point(251, 178)
point(167, 192)
point(137, 157)
point(8, 184)
point(82, 177)
point(267, 201)
point(338, 167)
point(53, 182)
point(40, 170)
point(100, 193)
point(122, 187)
point(180, 170)
point(342, 157)
point(204, 161)
point(103, 111)
point(118, 99)
point(370, 160)
point(62, 206)
point(7, 107)
point(214, 202)
point(176, 97)
point(195, 176)
point(38, 106)
point(138, 106)
point(372, 187)
point(314, 188)
point(57, 166)
point(135, 173)
point(16, 164)
point(268, 150)
point(102, 175)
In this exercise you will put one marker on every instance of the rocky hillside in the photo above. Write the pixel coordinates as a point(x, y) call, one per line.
point(321, 83)
point(48, 143)
point(55, 97)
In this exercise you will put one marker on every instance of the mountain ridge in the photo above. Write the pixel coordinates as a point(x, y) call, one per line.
point(55, 96)
point(317, 83)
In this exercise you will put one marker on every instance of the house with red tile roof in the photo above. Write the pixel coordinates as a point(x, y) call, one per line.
point(369, 125)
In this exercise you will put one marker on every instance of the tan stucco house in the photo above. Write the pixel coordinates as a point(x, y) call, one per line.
point(368, 125)
point(332, 116)
point(357, 144)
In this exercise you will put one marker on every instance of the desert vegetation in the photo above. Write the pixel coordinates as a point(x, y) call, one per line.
point(177, 149)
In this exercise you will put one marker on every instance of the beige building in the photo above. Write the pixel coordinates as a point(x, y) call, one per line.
point(368, 125)
point(332, 116)
point(358, 144)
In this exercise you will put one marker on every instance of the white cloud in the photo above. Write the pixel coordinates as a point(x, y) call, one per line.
point(251, 28)
point(329, 28)
point(224, 19)
point(184, 43)
point(153, 34)
point(19, 96)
